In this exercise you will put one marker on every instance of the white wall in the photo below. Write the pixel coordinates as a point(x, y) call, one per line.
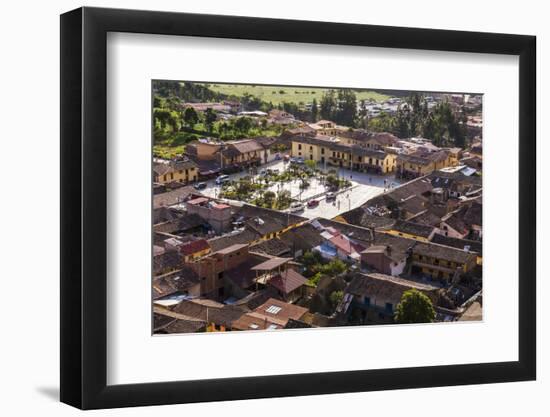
point(29, 111)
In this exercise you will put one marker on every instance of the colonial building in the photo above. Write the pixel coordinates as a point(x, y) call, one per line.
point(441, 262)
point(328, 150)
point(420, 163)
point(183, 171)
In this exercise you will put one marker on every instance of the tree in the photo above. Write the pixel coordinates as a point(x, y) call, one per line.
point(347, 108)
point(328, 105)
point(336, 298)
point(283, 199)
point(314, 111)
point(190, 117)
point(334, 267)
point(414, 307)
point(269, 198)
point(209, 119)
point(311, 164)
point(243, 125)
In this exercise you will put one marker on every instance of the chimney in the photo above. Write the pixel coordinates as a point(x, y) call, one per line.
point(388, 249)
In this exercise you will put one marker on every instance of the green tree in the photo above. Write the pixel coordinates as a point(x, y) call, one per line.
point(336, 298)
point(347, 108)
point(209, 119)
point(334, 267)
point(311, 164)
point(283, 200)
point(190, 117)
point(314, 111)
point(328, 105)
point(243, 125)
point(414, 307)
point(269, 198)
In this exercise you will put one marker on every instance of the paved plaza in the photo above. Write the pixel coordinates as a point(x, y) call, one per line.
point(364, 187)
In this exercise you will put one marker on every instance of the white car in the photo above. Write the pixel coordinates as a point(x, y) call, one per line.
point(296, 207)
point(221, 179)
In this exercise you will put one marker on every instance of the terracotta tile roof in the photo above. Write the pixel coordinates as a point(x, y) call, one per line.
point(274, 247)
point(386, 287)
point(184, 326)
point(273, 312)
point(209, 311)
point(172, 197)
point(287, 281)
point(413, 228)
point(245, 146)
point(443, 252)
point(271, 264)
point(232, 248)
point(177, 281)
point(473, 245)
point(194, 246)
point(243, 237)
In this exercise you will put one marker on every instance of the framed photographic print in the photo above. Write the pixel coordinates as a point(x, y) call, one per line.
point(258, 208)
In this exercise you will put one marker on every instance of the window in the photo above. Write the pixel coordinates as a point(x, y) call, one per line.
point(220, 275)
point(322, 151)
point(311, 148)
point(366, 301)
point(299, 146)
point(389, 307)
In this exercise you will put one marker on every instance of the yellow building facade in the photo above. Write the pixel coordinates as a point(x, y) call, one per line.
point(335, 153)
point(167, 173)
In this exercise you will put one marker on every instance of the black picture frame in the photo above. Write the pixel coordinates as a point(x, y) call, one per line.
point(84, 207)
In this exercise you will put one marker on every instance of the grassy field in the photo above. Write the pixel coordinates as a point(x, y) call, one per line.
point(280, 94)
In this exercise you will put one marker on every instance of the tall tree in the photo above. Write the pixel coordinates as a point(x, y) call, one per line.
point(328, 105)
point(415, 307)
point(314, 111)
point(347, 108)
point(190, 117)
point(209, 119)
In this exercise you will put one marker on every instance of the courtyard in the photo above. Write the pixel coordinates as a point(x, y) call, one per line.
point(363, 187)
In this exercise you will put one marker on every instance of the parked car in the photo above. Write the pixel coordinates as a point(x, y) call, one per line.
point(278, 157)
point(286, 158)
point(331, 196)
point(222, 179)
point(263, 172)
point(300, 160)
point(312, 203)
point(296, 207)
point(200, 186)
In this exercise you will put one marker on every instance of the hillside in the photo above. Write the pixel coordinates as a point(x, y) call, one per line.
point(280, 94)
